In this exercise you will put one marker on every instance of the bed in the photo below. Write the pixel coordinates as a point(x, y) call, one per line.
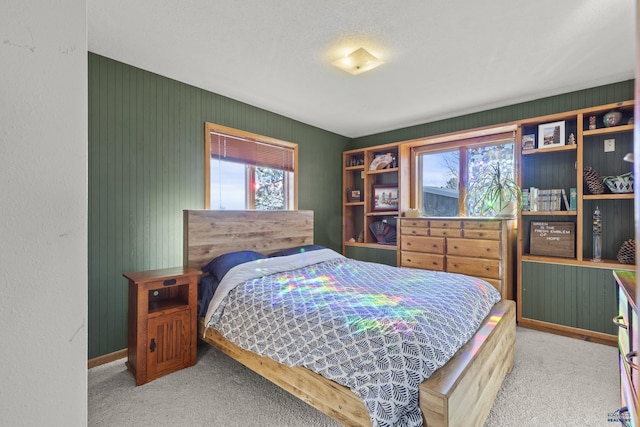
point(460, 393)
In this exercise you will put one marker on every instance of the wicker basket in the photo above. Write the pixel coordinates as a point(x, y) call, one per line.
point(593, 180)
point(627, 252)
point(620, 184)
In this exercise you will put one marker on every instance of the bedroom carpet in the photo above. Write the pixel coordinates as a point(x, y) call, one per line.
point(556, 381)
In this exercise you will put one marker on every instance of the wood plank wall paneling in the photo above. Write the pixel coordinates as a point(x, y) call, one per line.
point(573, 296)
point(615, 92)
point(382, 256)
point(146, 166)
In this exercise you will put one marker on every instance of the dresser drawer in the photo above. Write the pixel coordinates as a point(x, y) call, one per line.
point(445, 232)
point(414, 222)
point(431, 245)
point(422, 260)
point(445, 223)
point(474, 248)
point(482, 225)
point(481, 234)
point(479, 267)
point(414, 231)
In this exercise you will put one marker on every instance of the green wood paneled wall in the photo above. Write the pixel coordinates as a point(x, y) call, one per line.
point(382, 256)
point(621, 91)
point(580, 297)
point(146, 165)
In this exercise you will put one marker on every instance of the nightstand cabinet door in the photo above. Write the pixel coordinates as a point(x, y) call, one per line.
point(169, 346)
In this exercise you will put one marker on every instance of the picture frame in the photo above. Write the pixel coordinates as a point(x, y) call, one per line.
point(384, 198)
point(528, 142)
point(551, 135)
point(354, 195)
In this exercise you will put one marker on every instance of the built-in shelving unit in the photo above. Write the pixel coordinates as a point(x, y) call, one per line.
point(575, 295)
point(360, 176)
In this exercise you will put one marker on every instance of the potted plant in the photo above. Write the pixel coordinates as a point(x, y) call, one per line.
point(491, 192)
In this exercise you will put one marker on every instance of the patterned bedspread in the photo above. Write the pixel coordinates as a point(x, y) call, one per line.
point(376, 329)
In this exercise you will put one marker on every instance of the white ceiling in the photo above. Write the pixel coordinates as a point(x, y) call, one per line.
point(442, 58)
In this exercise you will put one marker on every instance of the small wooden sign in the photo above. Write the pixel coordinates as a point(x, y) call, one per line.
point(556, 239)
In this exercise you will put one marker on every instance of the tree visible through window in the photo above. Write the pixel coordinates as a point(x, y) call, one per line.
point(248, 171)
point(444, 169)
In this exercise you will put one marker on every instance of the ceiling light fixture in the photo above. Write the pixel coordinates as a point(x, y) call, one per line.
point(357, 62)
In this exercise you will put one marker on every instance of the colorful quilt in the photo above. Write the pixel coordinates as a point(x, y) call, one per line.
point(376, 329)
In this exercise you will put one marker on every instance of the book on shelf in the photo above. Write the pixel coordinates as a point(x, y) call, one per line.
point(556, 199)
point(573, 198)
point(533, 199)
point(566, 201)
point(544, 200)
point(525, 199)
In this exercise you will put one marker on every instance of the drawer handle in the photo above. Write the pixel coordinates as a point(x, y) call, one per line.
point(169, 282)
point(619, 322)
point(630, 356)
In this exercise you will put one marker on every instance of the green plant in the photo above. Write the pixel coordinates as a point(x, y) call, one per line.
point(493, 193)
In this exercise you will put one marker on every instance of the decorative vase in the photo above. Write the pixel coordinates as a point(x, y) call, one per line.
point(612, 118)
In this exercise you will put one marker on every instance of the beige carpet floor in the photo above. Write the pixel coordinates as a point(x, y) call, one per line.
point(556, 381)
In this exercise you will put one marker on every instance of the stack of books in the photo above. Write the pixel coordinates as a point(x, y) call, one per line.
point(548, 200)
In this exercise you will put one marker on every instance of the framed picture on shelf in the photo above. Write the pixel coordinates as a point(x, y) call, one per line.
point(551, 135)
point(385, 198)
point(528, 142)
point(353, 195)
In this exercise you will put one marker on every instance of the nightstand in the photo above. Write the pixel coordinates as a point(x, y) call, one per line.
point(162, 321)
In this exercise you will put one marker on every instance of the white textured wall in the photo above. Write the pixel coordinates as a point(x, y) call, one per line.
point(43, 213)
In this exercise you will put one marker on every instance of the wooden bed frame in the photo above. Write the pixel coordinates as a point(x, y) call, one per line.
point(460, 393)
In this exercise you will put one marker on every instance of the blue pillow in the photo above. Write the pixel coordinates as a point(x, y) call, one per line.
point(219, 266)
point(297, 250)
point(206, 288)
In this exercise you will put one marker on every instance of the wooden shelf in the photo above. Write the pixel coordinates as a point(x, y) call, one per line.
point(383, 213)
point(388, 170)
point(550, 150)
point(619, 196)
point(606, 131)
point(607, 263)
point(372, 245)
point(550, 213)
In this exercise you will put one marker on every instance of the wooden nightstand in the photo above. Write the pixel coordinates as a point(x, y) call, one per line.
point(162, 321)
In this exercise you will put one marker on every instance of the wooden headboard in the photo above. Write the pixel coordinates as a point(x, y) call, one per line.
point(208, 233)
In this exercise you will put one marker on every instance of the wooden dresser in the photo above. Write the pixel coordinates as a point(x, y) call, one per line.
point(480, 247)
point(627, 322)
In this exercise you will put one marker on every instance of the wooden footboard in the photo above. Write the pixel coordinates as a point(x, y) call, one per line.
point(460, 393)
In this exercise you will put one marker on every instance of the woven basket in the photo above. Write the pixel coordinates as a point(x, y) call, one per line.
point(593, 180)
point(627, 252)
point(620, 184)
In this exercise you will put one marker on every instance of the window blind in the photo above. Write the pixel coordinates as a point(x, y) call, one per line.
point(247, 151)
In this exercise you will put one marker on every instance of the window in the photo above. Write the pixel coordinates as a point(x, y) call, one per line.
point(248, 171)
point(445, 166)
